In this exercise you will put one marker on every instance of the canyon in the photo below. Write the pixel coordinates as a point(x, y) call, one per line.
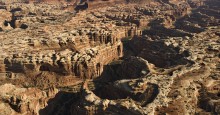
point(97, 57)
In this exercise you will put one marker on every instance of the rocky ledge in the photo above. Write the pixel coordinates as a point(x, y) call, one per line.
point(109, 57)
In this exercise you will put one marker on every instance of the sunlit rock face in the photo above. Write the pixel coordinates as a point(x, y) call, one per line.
point(83, 57)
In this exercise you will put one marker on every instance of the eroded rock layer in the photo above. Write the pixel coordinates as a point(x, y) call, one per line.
point(120, 57)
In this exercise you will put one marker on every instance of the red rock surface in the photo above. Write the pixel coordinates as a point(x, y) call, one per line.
point(132, 57)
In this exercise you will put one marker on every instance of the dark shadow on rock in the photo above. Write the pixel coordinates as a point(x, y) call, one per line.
point(82, 6)
point(109, 74)
point(208, 101)
point(110, 92)
point(158, 29)
point(149, 95)
point(158, 53)
point(14, 67)
point(61, 104)
point(129, 68)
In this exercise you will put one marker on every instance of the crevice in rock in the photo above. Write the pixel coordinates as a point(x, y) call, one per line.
point(61, 104)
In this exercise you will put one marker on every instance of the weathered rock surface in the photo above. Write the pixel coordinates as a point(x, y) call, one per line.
point(24, 100)
point(109, 57)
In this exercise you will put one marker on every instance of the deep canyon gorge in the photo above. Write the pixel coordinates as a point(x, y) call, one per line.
point(109, 57)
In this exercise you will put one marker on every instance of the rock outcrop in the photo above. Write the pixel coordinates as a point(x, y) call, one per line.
point(24, 100)
point(109, 57)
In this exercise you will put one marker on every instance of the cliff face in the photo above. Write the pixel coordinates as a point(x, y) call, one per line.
point(24, 100)
point(112, 57)
point(82, 52)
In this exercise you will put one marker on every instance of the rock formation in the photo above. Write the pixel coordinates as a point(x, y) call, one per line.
point(73, 57)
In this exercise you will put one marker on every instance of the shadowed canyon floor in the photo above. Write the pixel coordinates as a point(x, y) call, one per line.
point(109, 57)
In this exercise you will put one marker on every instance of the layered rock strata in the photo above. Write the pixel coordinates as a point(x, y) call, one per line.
point(133, 57)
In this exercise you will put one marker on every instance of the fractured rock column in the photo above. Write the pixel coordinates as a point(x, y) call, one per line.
point(120, 50)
